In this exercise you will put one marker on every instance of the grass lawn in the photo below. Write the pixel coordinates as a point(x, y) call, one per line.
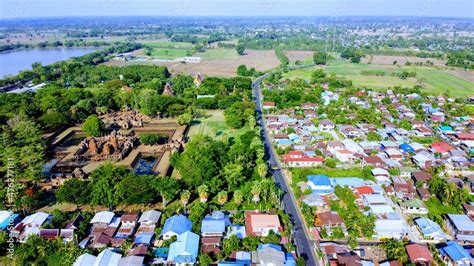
point(214, 122)
point(163, 53)
point(213, 54)
point(435, 81)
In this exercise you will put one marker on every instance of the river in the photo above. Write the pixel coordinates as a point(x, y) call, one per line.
point(12, 62)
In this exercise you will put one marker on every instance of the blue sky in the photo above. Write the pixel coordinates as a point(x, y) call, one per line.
point(52, 8)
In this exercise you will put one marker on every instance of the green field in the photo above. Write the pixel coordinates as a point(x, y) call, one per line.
point(213, 124)
point(435, 81)
point(161, 53)
point(173, 45)
point(212, 54)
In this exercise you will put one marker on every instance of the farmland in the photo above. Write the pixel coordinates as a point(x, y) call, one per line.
point(434, 80)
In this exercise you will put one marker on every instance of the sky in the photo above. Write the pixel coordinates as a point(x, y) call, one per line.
point(55, 8)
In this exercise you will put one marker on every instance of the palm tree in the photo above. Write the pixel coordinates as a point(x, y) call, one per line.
point(238, 197)
point(202, 190)
point(262, 170)
point(185, 195)
point(222, 197)
point(449, 191)
point(256, 190)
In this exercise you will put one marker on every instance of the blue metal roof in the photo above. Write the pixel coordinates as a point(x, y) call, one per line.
point(455, 251)
point(319, 180)
point(13, 217)
point(185, 249)
point(264, 246)
point(143, 238)
point(428, 227)
point(348, 181)
point(177, 224)
point(406, 147)
point(214, 223)
point(284, 142)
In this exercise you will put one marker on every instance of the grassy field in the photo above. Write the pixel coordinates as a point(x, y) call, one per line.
point(435, 81)
point(213, 124)
point(169, 45)
point(213, 54)
point(161, 53)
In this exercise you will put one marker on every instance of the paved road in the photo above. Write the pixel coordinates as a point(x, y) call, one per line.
point(304, 245)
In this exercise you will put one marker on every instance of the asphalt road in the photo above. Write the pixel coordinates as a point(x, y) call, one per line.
point(304, 245)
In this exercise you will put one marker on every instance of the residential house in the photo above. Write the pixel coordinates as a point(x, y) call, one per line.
point(30, 225)
point(320, 184)
point(381, 175)
point(430, 229)
point(419, 254)
point(421, 177)
point(299, 159)
point(214, 225)
point(268, 254)
point(454, 254)
point(442, 148)
point(260, 224)
point(176, 225)
point(373, 161)
point(461, 226)
point(328, 220)
point(326, 125)
point(394, 154)
point(413, 206)
point(269, 105)
point(185, 250)
point(402, 187)
point(148, 221)
point(391, 226)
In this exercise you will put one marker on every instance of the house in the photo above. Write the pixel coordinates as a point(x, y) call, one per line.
point(214, 225)
point(414, 206)
point(394, 154)
point(148, 221)
point(75, 223)
point(308, 106)
point(102, 219)
point(391, 227)
point(176, 225)
point(406, 148)
point(419, 254)
point(211, 245)
point(421, 177)
point(373, 161)
point(381, 175)
point(430, 229)
point(260, 224)
point(320, 184)
point(333, 146)
point(185, 250)
point(403, 187)
point(461, 226)
point(299, 159)
point(314, 200)
point(454, 254)
point(327, 220)
point(85, 259)
point(268, 254)
point(269, 105)
point(132, 260)
point(106, 257)
point(441, 147)
point(468, 209)
point(326, 125)
point(350, 132)
point(30, 225)
point(421, 160)
point(242, 257)
point(424, 193)
point(129, 221)
point(48, 234)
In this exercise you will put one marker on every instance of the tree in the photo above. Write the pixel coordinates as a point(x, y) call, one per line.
point(203, 194)
point(242, 70)
point(232, 173)
point(168, 187)
point(238, 197)
point(74, 191)
point(185, 195)
point(184, 119)
point(151, 139)
point(230, 244)
point(395, 250)
point(256, 190)
point(222, 197)
point(262, 169)
point(320, 57)
point(205, 259)
point(93, 126)
point(240, 48)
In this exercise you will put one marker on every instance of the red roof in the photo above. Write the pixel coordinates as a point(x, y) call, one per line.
point(419, 253)
point(364, 190)
point(304, 159)
point(269, 104)
point(441, 147)
point(465, 136)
